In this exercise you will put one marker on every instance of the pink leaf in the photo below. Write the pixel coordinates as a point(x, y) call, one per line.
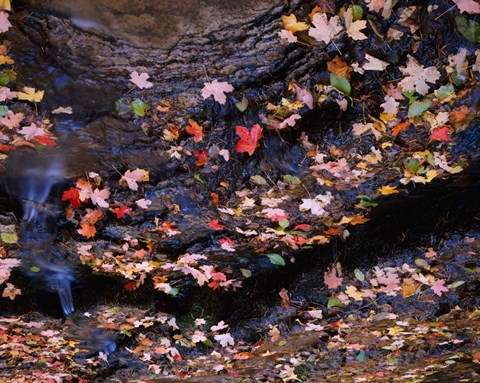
point(143, 203)
point(140, 80)
point(4, 23)
point(439, 287)
point(217, 90)
point(332, 280)
point(469, 6)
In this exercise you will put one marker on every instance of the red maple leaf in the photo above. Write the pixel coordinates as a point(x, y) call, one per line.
point(202, 157)
point(215, 225)
point(130, 286)
point(73, 196)
point(45, 140)
point(441, 134)
point(121, 211)
point(248, 139)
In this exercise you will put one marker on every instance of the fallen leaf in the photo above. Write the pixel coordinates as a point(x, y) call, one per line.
point(11, 291)
point(248, 139)
point(217, 90)
point(143, 203)
point(87, 230)
point(288, 35)
point(291, 24)
point(4, 23)
point(72, 195)
point(469, 6)
point(439, 287)
point(140, 80)
point(323, 28)
point(61, 109)
point(202, 157)
point(195, 130)
point(354, 27)
point(386, 190)
point(332, 280)
point(29, 94)
point(417, 77)
point(214, 224)
point(441, 134)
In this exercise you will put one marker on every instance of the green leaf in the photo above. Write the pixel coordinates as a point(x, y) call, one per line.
point(457, 78)
point(359, 275)
point(417, 108)
point(122, 108)
point(258, 180)
point(3, 110)
point(291, 180)
point(139, 107)
point(357, 12)
point(470, 29)
point(34, 269)
point(334, 302)
point(410, 96)
point(246, 273)
point(173, 292)
point(276, 259)
point(445, 91)
point(284, 223)
point(366, 201)
point(7, 75)
point(361, 356)
point(341, 84)
point(199, 179)
point(242, 105)
point(9, 237)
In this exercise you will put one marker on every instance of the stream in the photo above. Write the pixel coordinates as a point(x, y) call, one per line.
point(94, 138)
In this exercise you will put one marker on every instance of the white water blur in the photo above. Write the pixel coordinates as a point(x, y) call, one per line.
point(30, 176)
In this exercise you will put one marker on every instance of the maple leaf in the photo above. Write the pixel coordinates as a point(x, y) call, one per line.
point(313, 205)
point(439, 286)
point(140, 80)
point(202, 157)
point(275, 215)
point(225, 339)
point(6, 94)
point(354, 27)
point(32, 131)
point(214, 224)
point(87, 230)
point(290, 121)
point(248, 139)
point(374, 64)
point(5, 5)
point(353, 293)
point(132, 177)
point(4, 23)
point(441, 134)
point(195, 130)
point(11, 292)
point(217, 90)
point(417, 77)
point(73, 196)
point(29, 94)
point(430, 253)
point(98, 197)
point(288, 35)
point(227, 244)
point(469, 6)
point(359, 129)
point(386, 190)
point(121, 211)
point(390, 106)
point(12, 120)
point(62, 109)
point(375, 5)
point(219, 326)
point(324, 29)
point(143, 203)
point(292, 25)
point(332, 280)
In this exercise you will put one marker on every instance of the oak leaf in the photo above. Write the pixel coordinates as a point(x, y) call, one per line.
point(248, 139)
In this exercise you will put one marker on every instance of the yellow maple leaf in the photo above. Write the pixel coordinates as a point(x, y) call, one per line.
point(4, 59)
point(290, 23)
point(5, 5)
point(30, 94)
point(386, 190)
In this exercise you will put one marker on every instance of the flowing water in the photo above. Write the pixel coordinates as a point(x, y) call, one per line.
point(30, 177)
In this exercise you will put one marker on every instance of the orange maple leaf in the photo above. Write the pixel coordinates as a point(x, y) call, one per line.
point(248, 139)
point(87, 230)
point(441, 134)
point(195, 130)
